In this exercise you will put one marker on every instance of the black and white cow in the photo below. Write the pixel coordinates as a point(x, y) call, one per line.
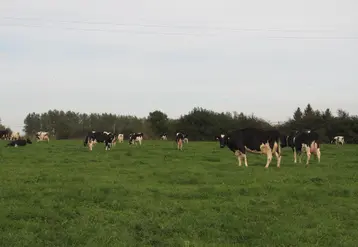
point(164, 136)
point(305, 140)
point(19, 142)
point(179, 139)
point(185, 140)
point(338, 140)
point(136, 138)
point(255, 141)
point(5, 134)
point(99, 136)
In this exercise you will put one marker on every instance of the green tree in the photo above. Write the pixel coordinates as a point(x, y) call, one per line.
point(297, 115)
point(158, 121)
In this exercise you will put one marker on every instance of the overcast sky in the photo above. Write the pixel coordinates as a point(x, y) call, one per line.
point(132, 57)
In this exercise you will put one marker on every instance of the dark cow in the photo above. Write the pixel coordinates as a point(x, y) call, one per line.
point(179, 139)
point(19, 142)
point(93, 137)
point(5, 134)
point(255, 141)
point(307, 140)
point(136, 138)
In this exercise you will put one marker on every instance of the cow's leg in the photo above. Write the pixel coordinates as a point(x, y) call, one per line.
point(245, 159)
point(300, 157)
point(295, 156)
point(277, 152)
point(90, 145)
point(278, 157)
point(308, 151)
point(319, 155)
point(242, 151)
point(238, 155)
point(268, 155)
point(298, 150)
point(180, 144)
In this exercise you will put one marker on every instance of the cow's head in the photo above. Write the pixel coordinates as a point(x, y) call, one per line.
point(223, 140)
point(130, 138)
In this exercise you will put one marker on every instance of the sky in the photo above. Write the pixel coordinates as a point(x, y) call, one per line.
point(133, 57)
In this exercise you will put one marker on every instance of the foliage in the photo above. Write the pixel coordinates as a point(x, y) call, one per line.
point(199, 124)
point(59, 194)
point(3, 127)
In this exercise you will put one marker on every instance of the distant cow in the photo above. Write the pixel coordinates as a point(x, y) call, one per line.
point(93, 137)
point(136, 138)
point(15, 136)
point(185, 140)
point(306, 140)
point(255, 141)
point(179, 139)
point(42, 136)
point(164, 136)
point(17, 143)
point(5, 134)
point(120, 138)
point(338, 140)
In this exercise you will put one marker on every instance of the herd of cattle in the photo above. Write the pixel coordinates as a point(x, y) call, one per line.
point(240, 141)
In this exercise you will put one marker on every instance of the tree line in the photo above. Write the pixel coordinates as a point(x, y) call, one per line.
point(200, 124)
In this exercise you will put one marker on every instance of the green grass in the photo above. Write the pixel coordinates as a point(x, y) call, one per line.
point(60, 194)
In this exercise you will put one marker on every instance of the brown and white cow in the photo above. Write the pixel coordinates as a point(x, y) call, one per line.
point(42, 136)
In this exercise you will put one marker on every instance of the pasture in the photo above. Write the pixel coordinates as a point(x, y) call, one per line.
point(60, 194)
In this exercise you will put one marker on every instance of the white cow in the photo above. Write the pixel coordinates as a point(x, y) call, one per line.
point(338, 140)
point(42, 136)
point(120, 138)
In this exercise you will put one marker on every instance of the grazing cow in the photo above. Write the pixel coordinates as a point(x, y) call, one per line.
point(93, 137)
point(255, 141)
point(42, 136)
point(15, 136)
point(5, 134)
point(338, 140)
point(120, 138)
point(17, 143)
point(306, 140)
point(164, 136)
point(185, 140)
point(136, 138)
point(179, 139)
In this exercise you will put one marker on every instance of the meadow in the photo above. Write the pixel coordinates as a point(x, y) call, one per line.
point(60, 194)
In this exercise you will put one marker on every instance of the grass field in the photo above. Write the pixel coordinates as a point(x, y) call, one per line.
point(60, 194)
